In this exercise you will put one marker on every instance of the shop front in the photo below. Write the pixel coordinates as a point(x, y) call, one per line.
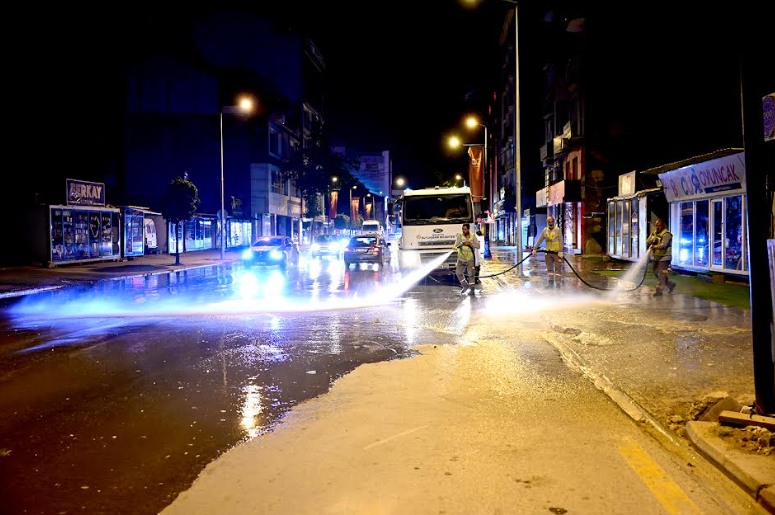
point(240, 233)
point(562, 201)
point(201, 233)
point(707, 215)
point(140, 231)
point(630, 219)
point(84, 230)
point(80, 234)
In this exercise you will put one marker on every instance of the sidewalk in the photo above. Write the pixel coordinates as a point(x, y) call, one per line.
point(664, 360)
point(17, 281)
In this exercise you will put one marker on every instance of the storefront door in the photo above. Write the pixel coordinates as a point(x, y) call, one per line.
point(717, 240)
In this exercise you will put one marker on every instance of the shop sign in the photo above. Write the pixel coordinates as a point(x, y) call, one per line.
point(726, 174)
point(542, 197)
point(83, 193)
point(556, 193)
point(627, 184)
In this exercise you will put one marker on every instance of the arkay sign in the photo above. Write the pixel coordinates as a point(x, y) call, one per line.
point(726, 174)
point(84, 193)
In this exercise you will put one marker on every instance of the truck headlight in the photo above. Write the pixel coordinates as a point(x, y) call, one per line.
point(248, 254)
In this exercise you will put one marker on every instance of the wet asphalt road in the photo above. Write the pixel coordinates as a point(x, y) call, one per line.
point(114, 398)
point(118, 414)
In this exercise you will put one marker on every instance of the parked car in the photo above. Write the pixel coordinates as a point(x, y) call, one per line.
point(325, 245)
point(272, 251)
point(367, 248)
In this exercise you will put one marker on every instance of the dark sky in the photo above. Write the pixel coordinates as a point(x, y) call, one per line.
point(398, 72)
point(399, 76)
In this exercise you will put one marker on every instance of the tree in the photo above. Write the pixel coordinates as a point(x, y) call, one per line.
point(313, 168)
point(342, 222)
point(179, 205)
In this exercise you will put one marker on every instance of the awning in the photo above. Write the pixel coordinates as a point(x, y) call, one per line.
point(692, 160)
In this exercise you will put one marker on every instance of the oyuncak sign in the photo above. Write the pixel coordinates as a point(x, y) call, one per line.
point(726, 174)
point(83, 193)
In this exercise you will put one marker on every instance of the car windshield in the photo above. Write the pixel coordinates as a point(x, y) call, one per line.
point(363, 242)
point(269, 242)
point(429, 209)
point(324, 239)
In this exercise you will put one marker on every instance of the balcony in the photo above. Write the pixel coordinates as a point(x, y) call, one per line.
point(547, 151)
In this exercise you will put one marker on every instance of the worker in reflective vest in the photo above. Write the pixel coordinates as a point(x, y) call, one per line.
point(553, 236)
point(661, 244)
point(465, 245)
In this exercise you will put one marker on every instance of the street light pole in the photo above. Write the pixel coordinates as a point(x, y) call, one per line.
point(487, 253)
point(223, 201)
point(245, 106)
point(517, 146)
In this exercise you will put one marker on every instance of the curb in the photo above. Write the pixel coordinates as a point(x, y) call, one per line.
point(626, 403)
point(29, 291)
point(162, 272)
point(757, 487)
point(764, 493)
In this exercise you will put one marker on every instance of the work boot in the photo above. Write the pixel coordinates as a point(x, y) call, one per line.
point(464, 288)
point(658, 293)
point(670, 287)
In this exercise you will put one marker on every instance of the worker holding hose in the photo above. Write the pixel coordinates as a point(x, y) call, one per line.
point(553, 254)
point(465, 245)
point(661, 244)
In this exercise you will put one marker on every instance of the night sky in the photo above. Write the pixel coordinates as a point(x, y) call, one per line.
point(401, 76)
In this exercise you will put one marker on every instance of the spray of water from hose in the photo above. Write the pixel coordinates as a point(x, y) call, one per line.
point(595, 287)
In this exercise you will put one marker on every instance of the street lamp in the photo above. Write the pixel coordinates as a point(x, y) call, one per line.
point(244, 106)
point(517, 130)
point(458, 177)
point(400, 182)
point(351, 203)
point(334, 179)
point(368, 195)
point(454, 142)
point(472, 122)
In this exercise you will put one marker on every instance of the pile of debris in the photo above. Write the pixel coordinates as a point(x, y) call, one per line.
point(705, 410)
point(750, 432)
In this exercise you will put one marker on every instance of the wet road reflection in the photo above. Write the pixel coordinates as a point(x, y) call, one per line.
point(108, 409)
point(115, 397)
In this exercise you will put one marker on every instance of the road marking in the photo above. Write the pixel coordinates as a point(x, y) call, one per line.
point(667, 492)
point(390, 438)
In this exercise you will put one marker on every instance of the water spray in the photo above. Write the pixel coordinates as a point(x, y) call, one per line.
point(643, 260)
point(248, 286)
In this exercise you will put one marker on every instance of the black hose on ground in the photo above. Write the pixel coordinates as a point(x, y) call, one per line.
point(594, 287)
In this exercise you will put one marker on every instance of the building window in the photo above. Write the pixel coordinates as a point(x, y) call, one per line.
point(626, 218)
point(734, 232)
point(611, 228)
point(277, 183)
point(286, 148)
point(702, 237)
point(686, 237)
point(274, 146)
point(634, 230)
point(619, 216)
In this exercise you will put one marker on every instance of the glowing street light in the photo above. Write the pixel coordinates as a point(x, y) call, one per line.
point(400, 182)
point(334, 179)
point(472, 122)
point(246, 105)
point(454, 142)
point(458, 177)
